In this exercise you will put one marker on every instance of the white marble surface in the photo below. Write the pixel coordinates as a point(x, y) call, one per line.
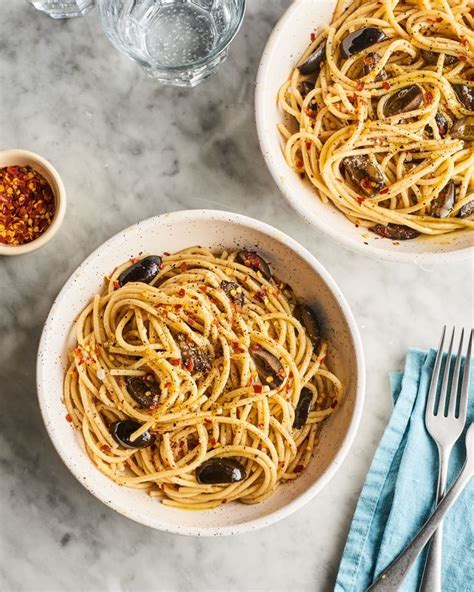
point(127, 149)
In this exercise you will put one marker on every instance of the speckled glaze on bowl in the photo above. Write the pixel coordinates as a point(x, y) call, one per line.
point(292, 264)
point(289, 39)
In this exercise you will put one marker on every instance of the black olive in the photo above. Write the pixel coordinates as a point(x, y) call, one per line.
point(431, 57)
point(363, 173)
point(143, 271)
point(467, 209)
point(220, 470)
point(122, 430)
point(302, 409)
point(443, 204)
point(441, 123)
point(313, 63)
point(142, 391)
point(308, 319)
point(254, 261)
point(234, 292)
point(369, 63)
point(463, 129)
point(465, 95)
point(406, 99)
point(359, 40)
point(195, 358)
point(395, 231)
point(269, 368)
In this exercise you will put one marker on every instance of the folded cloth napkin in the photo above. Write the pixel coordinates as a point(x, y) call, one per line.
point(399, 493)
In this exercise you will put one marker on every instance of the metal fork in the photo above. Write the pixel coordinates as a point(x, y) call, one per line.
point(445, 418)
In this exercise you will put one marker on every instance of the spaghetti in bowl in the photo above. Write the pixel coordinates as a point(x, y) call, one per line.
point(367, 134)
point(217, 437)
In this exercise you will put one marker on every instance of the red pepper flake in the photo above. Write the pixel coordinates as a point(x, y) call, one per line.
point(439, 20)
point(167, 384)
point(191, 320)
point(183, 267)
point(161, 265)
point(182, 292)
point(428, 97)
point(360, 199)
point(68, 418)
point(178, 306)
point(237, 348)
point(134, 260)
point(27, 205)
point(308, 145)
point(360, 85)
point(464, 41)
point(116, 284)
point(384, 190)
point(386, 85)
point(299, 164)
point(299, 468)
point(463, 58)
point(471, 12)
point(260, 295)
point(257, 388)
point(334, 404)
point(175, 361)
point(312, 36)
point(212, 441)
point(189, 364)
point(106, 448)
point(207, 421)
point(224, 501)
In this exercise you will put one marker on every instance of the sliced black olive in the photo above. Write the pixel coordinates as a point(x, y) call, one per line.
point(463, 129)
point(254, 261)
point(431, 57)
point(465, 95)
point(122, 430)
point(195, 358)
point(302, 409)
point(220, 470)
point(406, 99)
point(467, 209)
point(359, 40)
point(441, 123)
point(369, 62)
point(143, 271)
point(443, 204)
point(308, 319)
point(363, 173)
point(269, 368)
point(395, 231)
point(142, 391)
point(234, 292)
point(313, 63)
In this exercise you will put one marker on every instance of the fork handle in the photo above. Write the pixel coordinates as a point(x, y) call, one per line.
point(392, 577)
point(431, 580)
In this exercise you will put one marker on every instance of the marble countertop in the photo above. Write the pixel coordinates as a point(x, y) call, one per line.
point(128, 148)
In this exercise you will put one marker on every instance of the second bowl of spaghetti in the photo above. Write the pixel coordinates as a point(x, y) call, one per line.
point(206, 362)
point(365, 115)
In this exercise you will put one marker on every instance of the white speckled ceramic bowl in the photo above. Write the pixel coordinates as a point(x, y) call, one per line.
point(291, 263)
point(287, 42)
point(45, 168)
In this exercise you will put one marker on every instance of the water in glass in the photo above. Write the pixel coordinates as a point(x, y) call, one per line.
point(177, 41)
point(63, 8)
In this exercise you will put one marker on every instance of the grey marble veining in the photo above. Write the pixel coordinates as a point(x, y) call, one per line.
point(128, 148)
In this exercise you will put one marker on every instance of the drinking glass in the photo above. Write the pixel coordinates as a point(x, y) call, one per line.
point(63, 8)
point(178, 42)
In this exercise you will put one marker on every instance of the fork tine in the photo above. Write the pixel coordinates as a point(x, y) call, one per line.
point(430, 402)
point(453, 396)
point(444, 385)
point(465, 380)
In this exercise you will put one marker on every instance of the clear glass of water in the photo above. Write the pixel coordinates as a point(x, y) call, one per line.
point(63, 8)
point(178, 42)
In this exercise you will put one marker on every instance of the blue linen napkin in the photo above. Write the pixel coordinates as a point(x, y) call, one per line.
point(399, 493)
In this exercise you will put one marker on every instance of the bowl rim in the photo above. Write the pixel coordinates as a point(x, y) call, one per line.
point(59, 195)
point(267, 149)
point(359, 396)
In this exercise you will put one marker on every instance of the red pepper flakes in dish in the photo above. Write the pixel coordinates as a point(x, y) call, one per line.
point(27, 205)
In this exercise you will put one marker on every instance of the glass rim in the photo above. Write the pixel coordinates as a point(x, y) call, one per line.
point(191, 65)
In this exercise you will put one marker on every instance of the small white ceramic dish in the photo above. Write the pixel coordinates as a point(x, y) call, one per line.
point(287, 42)
point(45, 168)
point(291, 263)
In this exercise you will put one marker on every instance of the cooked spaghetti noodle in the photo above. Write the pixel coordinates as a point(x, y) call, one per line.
point(384, 127)
point(226, 365)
